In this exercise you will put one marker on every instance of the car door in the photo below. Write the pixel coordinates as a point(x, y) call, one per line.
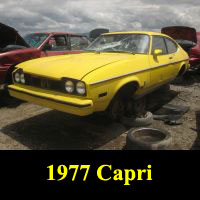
point(172, 49)
point(160, 64)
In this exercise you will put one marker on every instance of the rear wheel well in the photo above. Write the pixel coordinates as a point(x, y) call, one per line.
point(182, 71)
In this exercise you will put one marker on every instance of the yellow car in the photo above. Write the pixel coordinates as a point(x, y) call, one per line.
point(115, 68)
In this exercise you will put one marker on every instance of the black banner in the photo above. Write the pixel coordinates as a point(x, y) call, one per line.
point(123, 170)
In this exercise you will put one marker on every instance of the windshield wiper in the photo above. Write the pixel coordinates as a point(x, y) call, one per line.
point(89, 50)
point(113, 51)
point(118, 51)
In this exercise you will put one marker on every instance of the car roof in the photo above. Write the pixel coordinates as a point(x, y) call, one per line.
point(136, 32)
point(58, 33)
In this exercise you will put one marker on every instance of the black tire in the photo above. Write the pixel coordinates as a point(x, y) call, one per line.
point(122, 97)
point(148, 139)
point(138, 121)
point(116, 109)
point(182, 71)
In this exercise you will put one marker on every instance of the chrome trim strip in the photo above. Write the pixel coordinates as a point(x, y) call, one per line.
point(135, 72)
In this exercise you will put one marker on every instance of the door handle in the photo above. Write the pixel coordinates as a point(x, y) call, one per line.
point(170, 57)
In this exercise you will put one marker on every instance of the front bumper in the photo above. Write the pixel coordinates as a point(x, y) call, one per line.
point(72, 105)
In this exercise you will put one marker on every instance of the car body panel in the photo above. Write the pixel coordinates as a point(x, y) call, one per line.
point(8, 35)
point(180, 33)
point(103, 73)
point(195, 53)
point(85, 62)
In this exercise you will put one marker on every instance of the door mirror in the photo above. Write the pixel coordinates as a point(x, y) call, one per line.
point(157, 52)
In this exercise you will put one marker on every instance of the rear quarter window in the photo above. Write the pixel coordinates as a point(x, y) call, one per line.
point(171, 46)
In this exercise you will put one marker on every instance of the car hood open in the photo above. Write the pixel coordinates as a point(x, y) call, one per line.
point(181, 33)
point(71, 66)
point(9, 36)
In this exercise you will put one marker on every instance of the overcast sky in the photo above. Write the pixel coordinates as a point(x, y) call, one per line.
point(84, 15)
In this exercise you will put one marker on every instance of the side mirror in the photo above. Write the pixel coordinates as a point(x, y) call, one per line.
point(157, 52)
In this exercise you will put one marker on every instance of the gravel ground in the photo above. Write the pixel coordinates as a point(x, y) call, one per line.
point(28, 126)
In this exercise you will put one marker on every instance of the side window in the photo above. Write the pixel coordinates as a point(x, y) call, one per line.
point(171, 46)
point(57, 43)
point(78, 42)
point(159, 43)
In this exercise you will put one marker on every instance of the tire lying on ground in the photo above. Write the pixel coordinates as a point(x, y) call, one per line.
point(138, 121)
point(148, 139)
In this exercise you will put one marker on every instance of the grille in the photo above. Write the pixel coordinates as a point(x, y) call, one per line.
point(43, 83)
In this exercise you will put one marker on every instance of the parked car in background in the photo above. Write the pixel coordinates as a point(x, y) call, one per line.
point(95, 33)
point(188, 39)
point(116, 68)
point(14, 49)
point(194, 54)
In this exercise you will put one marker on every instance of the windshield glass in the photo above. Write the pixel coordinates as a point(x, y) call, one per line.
point(131, 43)
point(35, 39)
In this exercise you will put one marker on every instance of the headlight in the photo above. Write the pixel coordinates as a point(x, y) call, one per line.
point(22, 78)
point(69, 86)
point(80, 88)
point(17, 77)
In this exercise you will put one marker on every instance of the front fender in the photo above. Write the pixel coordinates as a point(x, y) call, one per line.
point(110, 88)
point(126, 81)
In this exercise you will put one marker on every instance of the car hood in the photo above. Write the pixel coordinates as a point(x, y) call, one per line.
point(180, 33)
point(9, 36)
point(71, 66)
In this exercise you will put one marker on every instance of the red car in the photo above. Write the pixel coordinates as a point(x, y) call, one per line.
point(195, 53)
point(14, 49)
point(189, 39)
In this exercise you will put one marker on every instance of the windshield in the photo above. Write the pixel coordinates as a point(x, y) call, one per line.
point(35, 39)
point(131, 43)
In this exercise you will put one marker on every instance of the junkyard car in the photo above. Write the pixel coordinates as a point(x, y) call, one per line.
point(188, 39)
point(195, 53)
point(116, 67)
point(95, 33)
point(14, 49)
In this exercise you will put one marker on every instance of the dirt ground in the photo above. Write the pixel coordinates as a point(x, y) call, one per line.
point(27, 126)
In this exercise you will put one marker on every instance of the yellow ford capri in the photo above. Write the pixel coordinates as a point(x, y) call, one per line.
point(115, 68)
